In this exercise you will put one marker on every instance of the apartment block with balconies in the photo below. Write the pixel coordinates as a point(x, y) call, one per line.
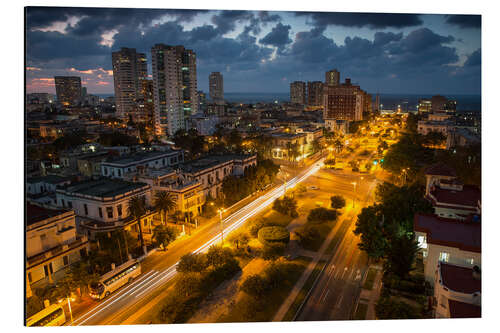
point(102, 205)
point(52, 244)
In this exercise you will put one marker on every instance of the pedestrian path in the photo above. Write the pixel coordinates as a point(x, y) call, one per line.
point(300, 283)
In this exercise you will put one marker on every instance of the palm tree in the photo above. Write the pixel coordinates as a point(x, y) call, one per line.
point(338, 145)
point(164, 203)
point(136, 209)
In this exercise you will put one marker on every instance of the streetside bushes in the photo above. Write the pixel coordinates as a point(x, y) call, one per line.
point(273, 234)
point(286, 206)
point(199, 275)
point(321, 214)
point(337, 202)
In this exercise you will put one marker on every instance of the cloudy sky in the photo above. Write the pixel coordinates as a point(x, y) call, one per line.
point(262, 51)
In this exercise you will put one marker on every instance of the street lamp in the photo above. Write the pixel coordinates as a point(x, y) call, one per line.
point(68, 300)
point(354, 197)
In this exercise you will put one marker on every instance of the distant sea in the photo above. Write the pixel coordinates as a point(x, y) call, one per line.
point(389, 101)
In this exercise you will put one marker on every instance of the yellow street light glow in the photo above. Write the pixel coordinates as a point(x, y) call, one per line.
point(153, 278)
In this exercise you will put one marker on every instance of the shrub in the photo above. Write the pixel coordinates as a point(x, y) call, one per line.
point(255, 226)
point(322, 214)
point(308, 235)
point(218, 256)
point(192, 263)
point(273, 234)
point(337, 202)
point(286, 206)
point(272, 251)
point(188, 284)
point(255, 286)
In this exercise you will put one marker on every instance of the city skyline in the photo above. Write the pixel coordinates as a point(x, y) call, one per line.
point(259, 51)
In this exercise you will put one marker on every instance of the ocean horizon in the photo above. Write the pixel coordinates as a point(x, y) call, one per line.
point(465, 102)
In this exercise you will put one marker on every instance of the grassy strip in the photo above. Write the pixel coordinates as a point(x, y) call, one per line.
point(248, 309)
point(292, 310)
point(370, 279)
point(361, 311)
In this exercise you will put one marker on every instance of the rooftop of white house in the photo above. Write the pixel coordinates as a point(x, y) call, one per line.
point(139, 157)
point(211, 161)
point(103, 188)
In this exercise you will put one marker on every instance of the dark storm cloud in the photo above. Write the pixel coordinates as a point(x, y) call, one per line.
point(421, 58)
point(278, 36)
point(265, 17)
point(384, 38)
point(98, 20)
point(226, 20)
point(464, 21)
point(321, 20)
point(45, 46)
point(474, 59)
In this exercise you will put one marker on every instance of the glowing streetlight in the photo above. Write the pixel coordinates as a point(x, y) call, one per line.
point(68, 299)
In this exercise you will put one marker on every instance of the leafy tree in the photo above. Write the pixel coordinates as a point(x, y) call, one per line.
point(337, 202)
point(316, 146)
point(164, 202)
point(434, 138)
point(287, 206)
point(137, 209)
point(386, 308)
point(255, 286)
point(322, 214)
point(217, 256)
point(192, 262)
point(117, 139)
point(164, 235)
point(188, 284)
point(370, 226)
point(401, 256)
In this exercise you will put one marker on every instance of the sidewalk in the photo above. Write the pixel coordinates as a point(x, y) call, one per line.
point(370, 297)
point(300, 283)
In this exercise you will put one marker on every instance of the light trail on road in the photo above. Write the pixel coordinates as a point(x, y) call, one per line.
point(152, 280)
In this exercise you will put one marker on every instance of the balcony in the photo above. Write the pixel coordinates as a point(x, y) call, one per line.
point(56, 251)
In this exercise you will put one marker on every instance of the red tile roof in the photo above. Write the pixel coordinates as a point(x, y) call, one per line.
point(440, 169)
point(464, 310)
point(459, 279)
point(36, 213)
point(463, 235)
point(469, 196)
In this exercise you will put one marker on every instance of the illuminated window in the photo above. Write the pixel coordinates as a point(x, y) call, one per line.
point(444, 256)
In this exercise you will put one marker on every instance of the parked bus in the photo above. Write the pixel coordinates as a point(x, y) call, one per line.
point(114, 279)
point(53, 315)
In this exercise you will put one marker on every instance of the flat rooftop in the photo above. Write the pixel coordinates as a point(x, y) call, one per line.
point(103, 187)
point(464, 310)
point(448, 232)
point(470, 195)
point(51, 179)
point(459, 279)
point(211, 161)
point(36, 213)
point(140, 156)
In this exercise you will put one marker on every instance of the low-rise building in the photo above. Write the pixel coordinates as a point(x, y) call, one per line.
point(457, 291)
point(427, 126)
point(283, 141)
point(52, 244)
point(210, 171)
point(461, 137)
point(118, 167)
point(102, 205)
point(449, 196)
point(42, 189)
point(447, 240)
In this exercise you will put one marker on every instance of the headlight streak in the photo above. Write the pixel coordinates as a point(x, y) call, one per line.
point(154, 278)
